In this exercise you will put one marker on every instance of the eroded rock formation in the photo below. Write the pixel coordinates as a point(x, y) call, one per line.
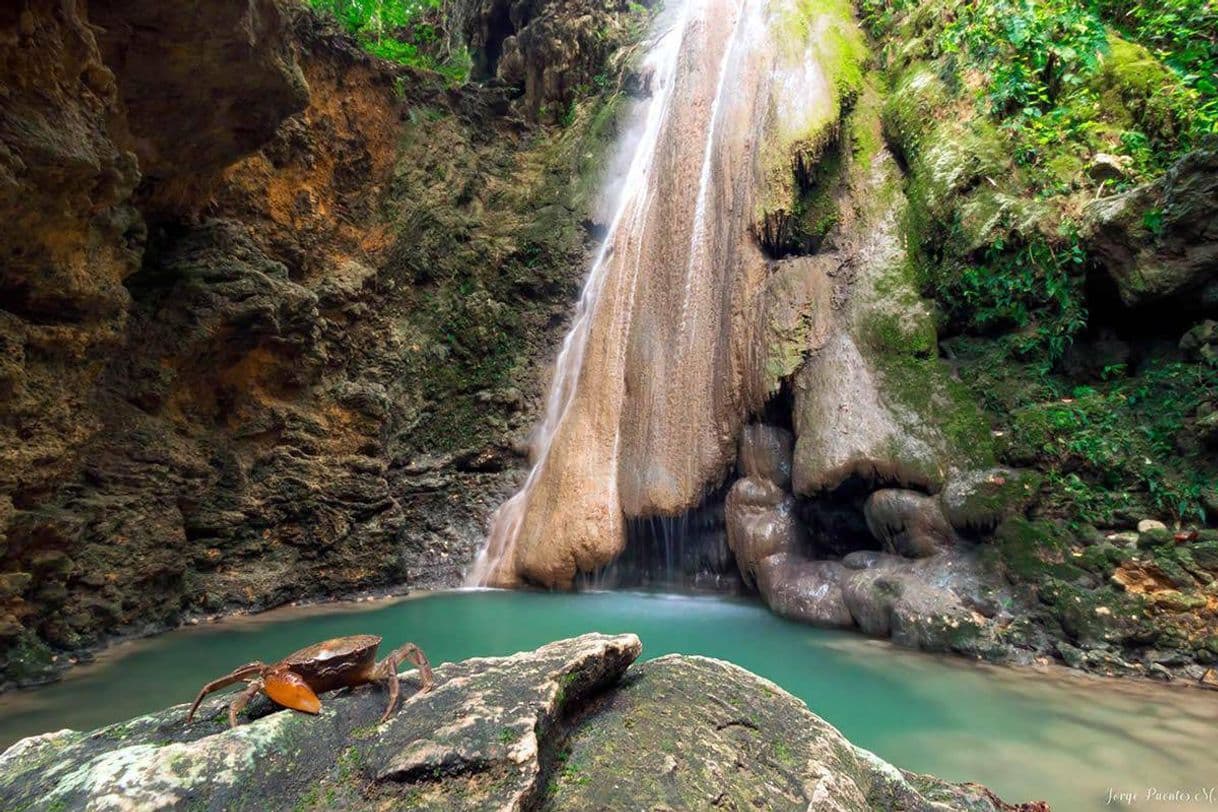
point(678, 732)
point(272, 327)
point(1173, 257)
point(661, 367)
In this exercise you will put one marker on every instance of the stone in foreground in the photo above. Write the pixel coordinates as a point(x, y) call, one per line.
point(572, 725)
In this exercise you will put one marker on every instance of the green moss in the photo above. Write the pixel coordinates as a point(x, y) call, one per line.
point(1099, 616)
point(1033, 551)
point(27, 659)
point(1103, 558)
point(1140, 92)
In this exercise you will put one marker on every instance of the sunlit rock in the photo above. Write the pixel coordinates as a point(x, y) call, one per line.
point(573, 725)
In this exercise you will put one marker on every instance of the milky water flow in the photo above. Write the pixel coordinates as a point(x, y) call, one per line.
point(634, 199)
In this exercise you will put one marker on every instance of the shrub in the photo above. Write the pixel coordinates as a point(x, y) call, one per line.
point(409, 32)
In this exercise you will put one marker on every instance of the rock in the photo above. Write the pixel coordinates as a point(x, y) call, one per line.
point(1159, 242)
point(977, 501)
point(199, 90)
point(14, 583)
point(1072, 656)
point(809, 591)
point(1201, 342)
point(225, 413)
point(548, 49)
point(1206, 429)
point(670, 733)
point(1108, 168)
point(765, 453)
point(861, 560)
point(907, 523)
point(794, 759)
point(760, 522)
point(845, 427)
point(1156, 534)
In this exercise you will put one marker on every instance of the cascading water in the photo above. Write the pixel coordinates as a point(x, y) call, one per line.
point(659, 68)
point(659, 369)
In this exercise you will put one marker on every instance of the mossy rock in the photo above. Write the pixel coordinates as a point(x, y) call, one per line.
point(1205, 554)
point(27, 660)
point(1139, 91)
point(1035, 551)
point(1103, 558)
point(979, 500)
point(1096, 616)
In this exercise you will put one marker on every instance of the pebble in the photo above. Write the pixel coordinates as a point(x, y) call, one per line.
point(1147, 525)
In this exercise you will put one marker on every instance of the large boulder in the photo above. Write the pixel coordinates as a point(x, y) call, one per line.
point(805, 590)
point(907, 523)
point(200, 85)
point(977, 501)
point(761, 522)
point(556, 728)
point(1159, 242)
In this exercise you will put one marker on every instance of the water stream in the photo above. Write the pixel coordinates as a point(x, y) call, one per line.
point(1060, 737)
point(654, 378)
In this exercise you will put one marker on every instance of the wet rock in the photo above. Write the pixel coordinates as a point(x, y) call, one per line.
point(765, 453)
point(1159, 242)
point(977, 501)
point(761, 522)
point(861, 560)
point(942, 603)
point(907, 523)
point(670, 732)
point(809, 591)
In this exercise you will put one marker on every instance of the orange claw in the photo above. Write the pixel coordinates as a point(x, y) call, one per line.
point(290, 691)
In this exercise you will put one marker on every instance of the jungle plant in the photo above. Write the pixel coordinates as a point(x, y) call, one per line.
point(409, 32)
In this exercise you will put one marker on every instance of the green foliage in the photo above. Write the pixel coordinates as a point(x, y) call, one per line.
point(1060, 82)
point(1035, 51)
point(408, 32)
point(1027, 285)
point(1113, 450)
point(1184, 35)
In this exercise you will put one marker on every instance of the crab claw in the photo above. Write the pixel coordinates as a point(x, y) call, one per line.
point(289, 690)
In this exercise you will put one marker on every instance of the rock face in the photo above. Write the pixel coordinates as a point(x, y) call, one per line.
point(271, 325)
point(548, 49)
point(1172, 257)
point(198, 91)
point(570, 726)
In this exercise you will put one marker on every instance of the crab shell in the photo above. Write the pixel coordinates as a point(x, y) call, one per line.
point(336, 663)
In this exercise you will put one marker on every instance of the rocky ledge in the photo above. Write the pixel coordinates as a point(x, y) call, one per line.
point(572, 725)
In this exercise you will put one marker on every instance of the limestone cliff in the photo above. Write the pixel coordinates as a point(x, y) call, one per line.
point(275, 312)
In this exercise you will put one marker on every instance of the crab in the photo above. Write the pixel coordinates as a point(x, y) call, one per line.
point(296, 680)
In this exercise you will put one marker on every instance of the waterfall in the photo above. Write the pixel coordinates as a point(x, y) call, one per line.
point(633, 196)
point(655, 376)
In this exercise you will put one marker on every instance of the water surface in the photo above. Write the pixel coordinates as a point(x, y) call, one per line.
point(1026, 734)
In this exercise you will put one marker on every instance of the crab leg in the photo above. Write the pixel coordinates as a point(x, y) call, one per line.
point(387, 669)
point(238, 675)
point(241, 700)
